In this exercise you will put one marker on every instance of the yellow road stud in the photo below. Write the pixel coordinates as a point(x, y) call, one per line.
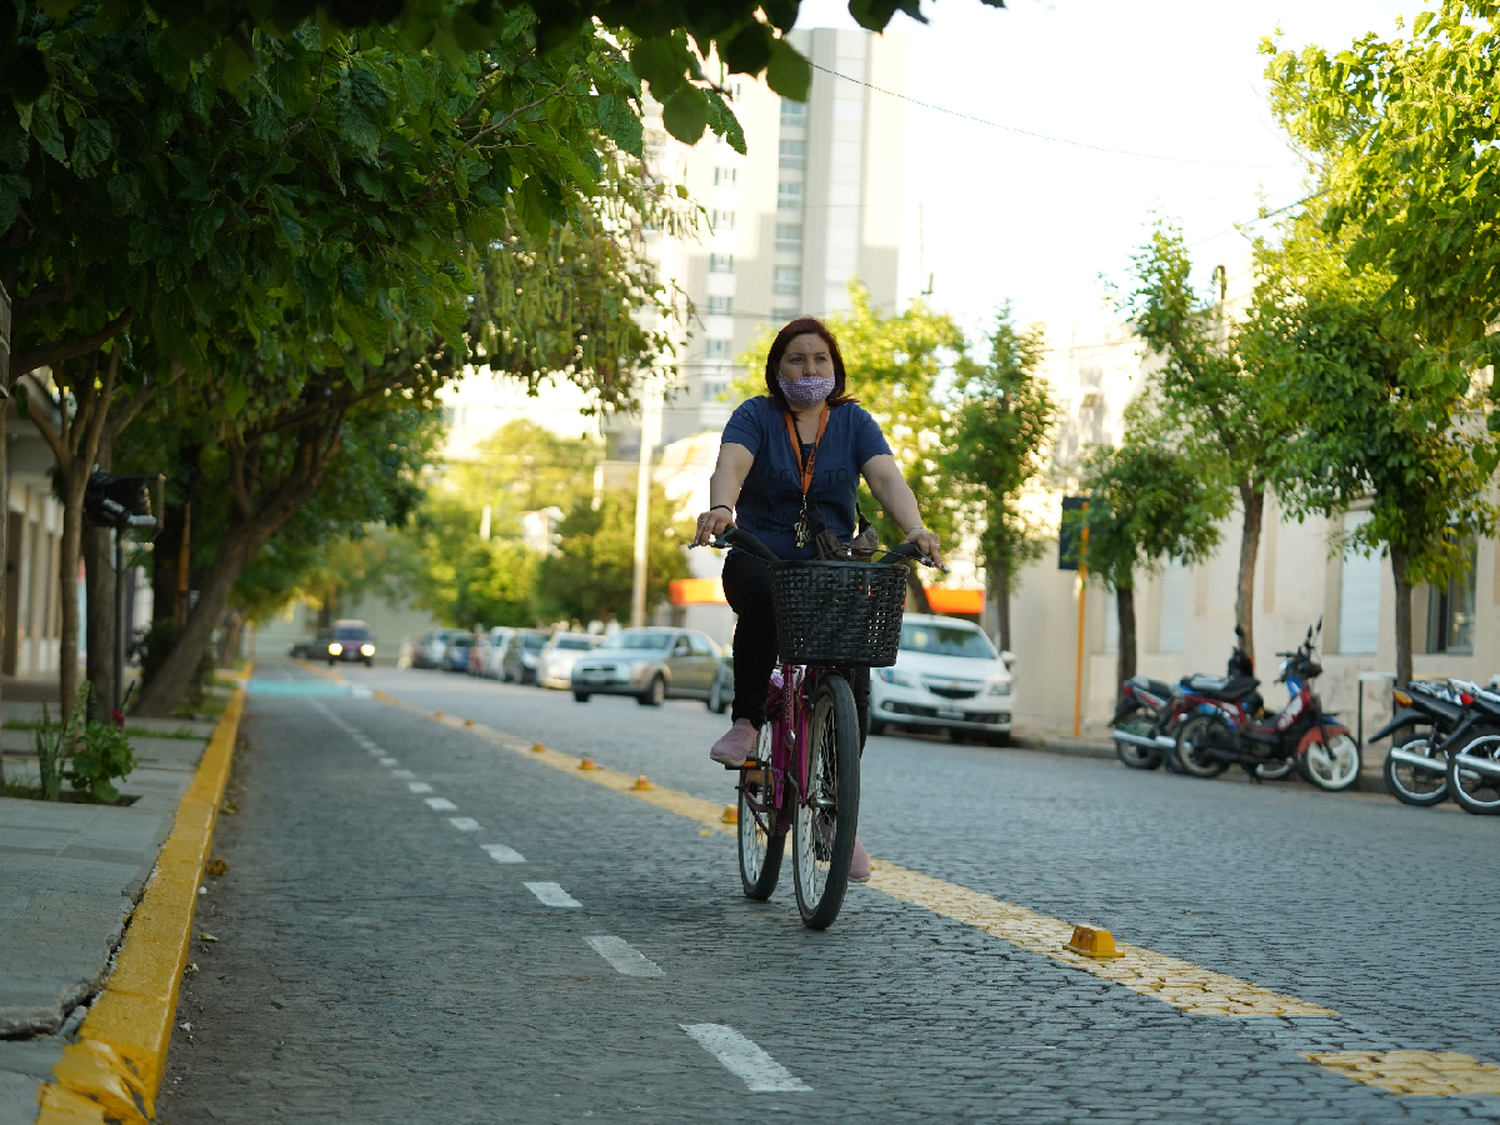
point(731, 815)
point(587, 764)
point(643, 782)
point(538, 749)
point(1098, 944)
point(468, 722)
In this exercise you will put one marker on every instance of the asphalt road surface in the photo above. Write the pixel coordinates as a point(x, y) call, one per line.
point(418, 924)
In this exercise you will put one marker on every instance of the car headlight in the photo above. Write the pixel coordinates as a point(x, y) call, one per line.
point(1000, 687)
point(641, 667)
point(367, 650)
point(335, 649)
point(900, 679)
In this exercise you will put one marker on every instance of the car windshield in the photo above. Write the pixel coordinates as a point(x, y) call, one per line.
point(533, 641)
point(463, 640)
point(350, 633)
point(656, 641)
point(947, 640)
point(574, 642)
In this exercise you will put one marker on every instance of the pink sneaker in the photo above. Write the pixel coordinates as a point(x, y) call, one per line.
point(859, 863)
point(739, 744)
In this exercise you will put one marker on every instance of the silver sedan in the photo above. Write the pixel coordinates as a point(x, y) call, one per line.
point(652, 664)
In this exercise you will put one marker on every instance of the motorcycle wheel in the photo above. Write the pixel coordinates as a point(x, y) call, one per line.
point(1332, 763)
point(1411, 785)
point(1137, 757)
point(1476, 792)
point(1189, 756)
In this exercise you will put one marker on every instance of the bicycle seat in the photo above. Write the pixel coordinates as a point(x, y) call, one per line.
point(1154, 687)
point(1229, 689)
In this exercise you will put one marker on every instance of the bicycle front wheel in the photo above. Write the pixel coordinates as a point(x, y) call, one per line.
point(762, 838)
point(827, 811)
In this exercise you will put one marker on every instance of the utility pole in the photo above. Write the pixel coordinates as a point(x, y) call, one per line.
point(650, 427)
point(6, 626)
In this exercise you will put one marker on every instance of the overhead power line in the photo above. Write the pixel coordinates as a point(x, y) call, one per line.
point(1041, 136)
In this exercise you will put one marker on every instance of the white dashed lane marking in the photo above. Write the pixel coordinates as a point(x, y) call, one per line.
point(501, 854)
point(744, 1059)
point(550, 894)
point(441, 804)
point(627, 960)
point(464, 823)
point(419, 787)
point(404, 775)
point(389, 762)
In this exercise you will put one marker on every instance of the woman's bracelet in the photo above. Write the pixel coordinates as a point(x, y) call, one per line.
point(726, 507)
point(914, 530)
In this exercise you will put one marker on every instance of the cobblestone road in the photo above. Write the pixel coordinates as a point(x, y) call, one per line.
point(380, 959)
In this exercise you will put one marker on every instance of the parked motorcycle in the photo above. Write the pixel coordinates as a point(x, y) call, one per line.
point(1301, 735)
point(1473, 751)
point(1416, 768)
point(1150, 712)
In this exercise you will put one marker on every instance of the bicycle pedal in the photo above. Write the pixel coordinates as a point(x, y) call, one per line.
point(747, 764)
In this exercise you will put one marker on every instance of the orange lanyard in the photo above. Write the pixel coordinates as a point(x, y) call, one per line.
point(807, 469)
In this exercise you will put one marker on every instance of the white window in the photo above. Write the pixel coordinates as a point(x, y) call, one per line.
point(793, 154)
point(719, 349)
point(726, 177)
point(793, 113)
point(784, 314)
point(721, 306)
point(721, 263)
point(786, 280)
point(1359, 594)
point(789, 236)
point(789, 196)
point(721, 220)
point(1169, 631)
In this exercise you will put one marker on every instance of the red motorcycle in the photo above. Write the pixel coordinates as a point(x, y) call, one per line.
point(1224, 733)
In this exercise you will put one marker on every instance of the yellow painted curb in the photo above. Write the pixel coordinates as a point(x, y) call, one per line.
point(114, 1069)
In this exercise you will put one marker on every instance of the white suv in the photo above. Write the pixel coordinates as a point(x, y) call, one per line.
point(947, 674)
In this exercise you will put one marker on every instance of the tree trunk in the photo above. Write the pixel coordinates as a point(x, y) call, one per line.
point(1000, 582)
point(1125, 609)
point(5, 625)
point(1253, 500)
point(74, 478)
point(917, 591)
point(164, 551)
point(1403, 614)
point(175, 675)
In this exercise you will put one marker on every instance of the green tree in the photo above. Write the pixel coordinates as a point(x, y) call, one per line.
point(590, 577)
point(1149, 500)
point(1370, 416)
point(1001, 424)
point(1402, 137)
point(1205, 391)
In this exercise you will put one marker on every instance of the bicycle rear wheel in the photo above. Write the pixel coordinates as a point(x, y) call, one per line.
point(827, 813)
point(761, 845)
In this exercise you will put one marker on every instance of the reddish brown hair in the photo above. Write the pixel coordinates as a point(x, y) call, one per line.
point(804, 326)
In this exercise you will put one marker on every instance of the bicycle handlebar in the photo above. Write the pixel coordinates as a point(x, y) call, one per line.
point(737, 537)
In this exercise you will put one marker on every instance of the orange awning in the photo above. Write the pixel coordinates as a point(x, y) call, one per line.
point(955, 601)
point(697, 591)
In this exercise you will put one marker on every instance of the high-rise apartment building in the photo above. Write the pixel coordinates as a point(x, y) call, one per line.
point(813, 204)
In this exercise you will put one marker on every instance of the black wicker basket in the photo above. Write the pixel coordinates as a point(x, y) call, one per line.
point(838, 612)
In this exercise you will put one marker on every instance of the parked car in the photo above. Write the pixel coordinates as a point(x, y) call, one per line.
point(350, 641)
point(494, 655)
point(479, 652)
point(429, 649)
point(554, 664)
point(947, 674)
point(520, 658)
point(315, 649)
point(651, 664)
point(456, 653)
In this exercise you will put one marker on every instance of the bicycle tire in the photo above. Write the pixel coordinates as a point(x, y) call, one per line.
point(761, 845)
point(826, 815)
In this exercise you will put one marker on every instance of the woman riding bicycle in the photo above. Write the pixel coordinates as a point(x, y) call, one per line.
point(788, 467)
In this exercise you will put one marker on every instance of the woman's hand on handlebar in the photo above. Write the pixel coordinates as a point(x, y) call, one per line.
point(711, 524)
point(928, 543)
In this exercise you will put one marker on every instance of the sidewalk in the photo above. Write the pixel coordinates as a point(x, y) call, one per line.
point(71, 875)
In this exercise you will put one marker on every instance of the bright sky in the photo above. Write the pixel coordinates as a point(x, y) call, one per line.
point(1009, 217)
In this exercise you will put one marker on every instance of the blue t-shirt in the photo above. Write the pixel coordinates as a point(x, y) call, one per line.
point(771, 499)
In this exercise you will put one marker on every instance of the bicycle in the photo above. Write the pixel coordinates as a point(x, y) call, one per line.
point(830, 617)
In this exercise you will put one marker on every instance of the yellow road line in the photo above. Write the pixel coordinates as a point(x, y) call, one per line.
point(116, 1066)
point(1181, 984)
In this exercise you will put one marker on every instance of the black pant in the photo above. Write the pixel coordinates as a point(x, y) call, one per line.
point(747, 586)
